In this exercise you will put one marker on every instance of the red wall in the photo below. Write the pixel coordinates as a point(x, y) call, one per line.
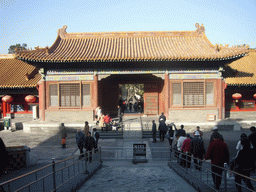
point(18, 99)
point(247, 96)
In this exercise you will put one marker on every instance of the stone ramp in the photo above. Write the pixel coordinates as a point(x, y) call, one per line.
point(125, 176)
point(202, 180)
point(132, 128)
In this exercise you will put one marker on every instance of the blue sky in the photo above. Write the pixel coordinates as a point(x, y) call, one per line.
point(36, 22)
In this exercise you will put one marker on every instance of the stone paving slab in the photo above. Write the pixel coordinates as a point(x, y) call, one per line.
point(125, 176)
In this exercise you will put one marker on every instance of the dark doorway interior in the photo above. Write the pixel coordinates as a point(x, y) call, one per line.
point(131, 98)
point(110, 94)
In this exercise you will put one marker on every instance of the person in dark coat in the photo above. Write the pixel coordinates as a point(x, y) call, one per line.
point(162, 118)
point(4, 157)
point(219, 154)
point(154, 131)
point(119, 114)
point(215, 130)
point(252, 136)
point(89, 144)
point(96, 137)
point(197, 150)
point(239, 145)
point(130, 106)
point(80, 137)
point(244, 164)
point(181, 131)
point(171, 135)
point(162, 130)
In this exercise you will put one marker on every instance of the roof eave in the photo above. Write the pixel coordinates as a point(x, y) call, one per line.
point(127, 60)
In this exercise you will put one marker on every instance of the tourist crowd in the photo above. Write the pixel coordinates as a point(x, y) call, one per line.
point(84, 140)
point(186, 147)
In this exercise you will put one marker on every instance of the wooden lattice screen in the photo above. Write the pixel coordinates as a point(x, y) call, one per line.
point(193, 93)
point(69, 95)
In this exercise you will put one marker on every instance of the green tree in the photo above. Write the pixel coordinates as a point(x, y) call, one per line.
point(130, 90)
point(12, 48)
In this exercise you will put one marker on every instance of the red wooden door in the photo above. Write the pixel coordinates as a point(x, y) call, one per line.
point(151, 104)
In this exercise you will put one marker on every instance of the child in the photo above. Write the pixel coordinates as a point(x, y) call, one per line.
point(114, 125)
point(96, 137)
point(63, 130)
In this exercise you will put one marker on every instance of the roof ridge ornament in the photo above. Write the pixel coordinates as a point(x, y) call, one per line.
point(200, 29)
point(218, 47)
point(62, 31)
point(47, 50)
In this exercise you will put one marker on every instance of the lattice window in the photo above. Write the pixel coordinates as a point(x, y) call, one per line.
point(86, 95)
point(193, 93)
point(209, 93)
point(69, 95)
point(53, 91)
point(176, 93)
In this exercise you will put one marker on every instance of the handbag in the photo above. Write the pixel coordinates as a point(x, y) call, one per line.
point(230, 175)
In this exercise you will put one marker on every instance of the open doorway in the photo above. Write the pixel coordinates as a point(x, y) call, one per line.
point(131, 98)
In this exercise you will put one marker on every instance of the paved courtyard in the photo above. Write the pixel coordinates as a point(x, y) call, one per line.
point(152, 176)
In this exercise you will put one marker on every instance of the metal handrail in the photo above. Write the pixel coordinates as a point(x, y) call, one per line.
point(215, 165)
point(26, 174)
point(208, 170)
point(33, 182)
point(7, 184)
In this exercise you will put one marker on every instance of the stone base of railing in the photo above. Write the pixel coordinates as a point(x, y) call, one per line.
point(197, 184)
point(18, 157)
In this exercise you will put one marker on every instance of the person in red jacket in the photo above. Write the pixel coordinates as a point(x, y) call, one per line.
point(107, 119)
point(219, 154)
point(186, 149)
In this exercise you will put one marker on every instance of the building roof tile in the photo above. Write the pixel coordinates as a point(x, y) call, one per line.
point(242, 71)
point(17, 74)
point(132, 46)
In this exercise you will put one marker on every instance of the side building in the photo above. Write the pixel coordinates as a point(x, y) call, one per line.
point(17, 80)
point(181, 72)
point(240, 77)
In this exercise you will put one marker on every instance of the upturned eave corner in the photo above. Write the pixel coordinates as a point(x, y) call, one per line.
point(62, 31)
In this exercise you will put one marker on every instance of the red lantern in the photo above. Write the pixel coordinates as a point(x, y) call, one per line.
point(236, 96)
point(30, 98)
point(7, 98)
point(254, 96)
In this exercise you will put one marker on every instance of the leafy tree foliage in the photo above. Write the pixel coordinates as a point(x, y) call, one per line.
point(12, 48)
point(132, 89)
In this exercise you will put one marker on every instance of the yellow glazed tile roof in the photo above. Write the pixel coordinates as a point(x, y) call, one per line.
point(131, 46)
point(243, 70)
point(17, 74)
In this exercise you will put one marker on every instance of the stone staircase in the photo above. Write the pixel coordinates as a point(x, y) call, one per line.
point(132, 128)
